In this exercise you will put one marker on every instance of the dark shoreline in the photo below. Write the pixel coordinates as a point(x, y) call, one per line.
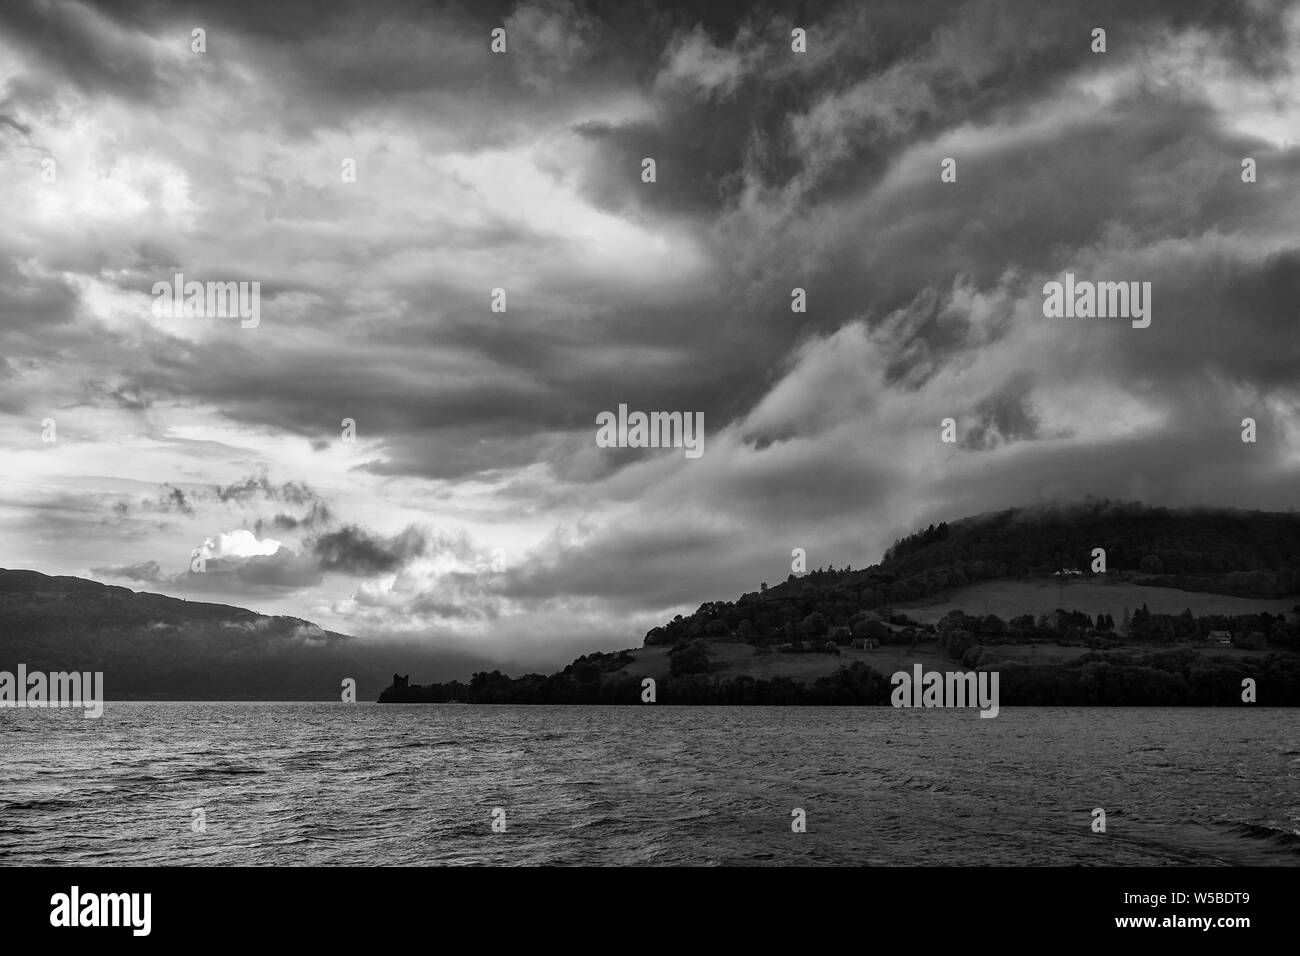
point(1175, 678)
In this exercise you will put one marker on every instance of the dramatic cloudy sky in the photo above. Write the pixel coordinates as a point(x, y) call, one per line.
point(475, 510)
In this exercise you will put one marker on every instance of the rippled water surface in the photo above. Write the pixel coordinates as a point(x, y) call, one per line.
point(417, 784)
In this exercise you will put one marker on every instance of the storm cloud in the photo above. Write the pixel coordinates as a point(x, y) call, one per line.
point(467, 504)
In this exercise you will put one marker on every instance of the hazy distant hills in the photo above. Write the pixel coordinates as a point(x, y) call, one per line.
point(157, 647)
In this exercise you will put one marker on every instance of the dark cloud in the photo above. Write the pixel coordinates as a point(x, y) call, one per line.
point(317, 516)
point(32, 302)
point(1007, 415)
point(259, 574)
point(127, 397)
point(85, 47)
point(147, 571)
point(174, 498)
point(354, 550)
point(259, 488)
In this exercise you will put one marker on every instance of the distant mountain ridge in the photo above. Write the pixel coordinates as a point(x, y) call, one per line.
point(151, 646)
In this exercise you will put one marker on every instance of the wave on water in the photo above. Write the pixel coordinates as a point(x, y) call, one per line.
point(1281, 837)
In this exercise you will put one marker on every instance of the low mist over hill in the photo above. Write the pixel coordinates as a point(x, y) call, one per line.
point(156, 647)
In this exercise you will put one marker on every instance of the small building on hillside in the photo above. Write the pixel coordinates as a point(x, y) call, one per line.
point(1220, 637)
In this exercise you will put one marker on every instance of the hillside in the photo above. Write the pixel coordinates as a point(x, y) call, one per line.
point(1252, 555)
point(1099, 594)
point(1189, 602)
point(151, 646)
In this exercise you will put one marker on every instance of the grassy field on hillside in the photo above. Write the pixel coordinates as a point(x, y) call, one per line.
point(731, 659)
point(1008, 599)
